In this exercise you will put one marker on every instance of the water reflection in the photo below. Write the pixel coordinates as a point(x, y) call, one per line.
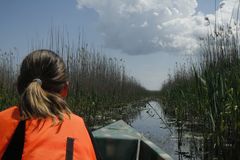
point(162, 130)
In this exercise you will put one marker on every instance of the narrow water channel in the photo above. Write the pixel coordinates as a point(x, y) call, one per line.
point(157, 127)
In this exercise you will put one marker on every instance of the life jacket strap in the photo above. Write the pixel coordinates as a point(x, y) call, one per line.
point(69, 148)
point(15, 147)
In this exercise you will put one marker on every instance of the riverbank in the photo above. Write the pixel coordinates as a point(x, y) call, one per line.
point(205, 96)
point(127, 112)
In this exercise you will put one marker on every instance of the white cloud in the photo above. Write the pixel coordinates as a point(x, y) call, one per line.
point(147, 26)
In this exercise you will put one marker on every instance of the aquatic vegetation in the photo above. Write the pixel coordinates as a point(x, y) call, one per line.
point(7, 78)
point(208, 92)
point(98, 84)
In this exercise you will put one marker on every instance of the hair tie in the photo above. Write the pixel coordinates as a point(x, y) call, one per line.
point(38, 81)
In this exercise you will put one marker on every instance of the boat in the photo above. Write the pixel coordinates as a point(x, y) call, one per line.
point(119, 141)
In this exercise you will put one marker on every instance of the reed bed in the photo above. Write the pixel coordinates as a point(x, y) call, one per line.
point(7, 78)
point(99, 85)
point(205, 97)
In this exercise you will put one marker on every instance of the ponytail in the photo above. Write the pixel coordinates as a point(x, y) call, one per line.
point(37, 103)
point(40, 98)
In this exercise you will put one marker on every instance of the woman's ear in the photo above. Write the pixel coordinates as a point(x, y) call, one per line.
point(64, 91)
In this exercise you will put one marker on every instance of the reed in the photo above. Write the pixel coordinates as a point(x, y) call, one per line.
point(208, 93)
point(98, 84)
point(7, 78)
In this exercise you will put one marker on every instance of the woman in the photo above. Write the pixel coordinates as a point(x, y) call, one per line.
point(42, 126)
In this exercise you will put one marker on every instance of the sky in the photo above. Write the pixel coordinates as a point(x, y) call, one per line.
point(150, 35)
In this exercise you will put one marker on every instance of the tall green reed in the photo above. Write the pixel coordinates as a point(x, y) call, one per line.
point(98, 84)
point(208, 93)
point(8, 70)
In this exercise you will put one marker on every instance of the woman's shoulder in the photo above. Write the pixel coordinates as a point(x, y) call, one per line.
point(74, 124)
point(76, 118)
point(10, 113)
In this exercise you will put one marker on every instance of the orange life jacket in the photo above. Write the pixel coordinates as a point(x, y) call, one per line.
point(43, 140)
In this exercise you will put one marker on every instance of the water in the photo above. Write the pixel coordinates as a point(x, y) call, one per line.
point(157, 127)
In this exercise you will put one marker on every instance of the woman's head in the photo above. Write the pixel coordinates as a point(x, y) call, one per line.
point(42, 80)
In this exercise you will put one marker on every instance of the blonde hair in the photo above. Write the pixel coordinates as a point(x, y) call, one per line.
point(42, 76)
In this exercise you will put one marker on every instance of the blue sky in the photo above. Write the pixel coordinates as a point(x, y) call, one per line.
point(147, 57)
